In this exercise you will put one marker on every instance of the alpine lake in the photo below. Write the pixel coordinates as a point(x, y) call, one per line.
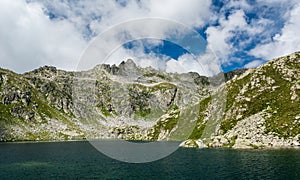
point(80, 160)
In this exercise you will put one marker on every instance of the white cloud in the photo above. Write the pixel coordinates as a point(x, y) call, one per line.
point(288, 41)
point(277, 2)
point(205, 64)
point(238, 4)
point(193, 13)
point(190, 12)
point(29, 39)
point(253, 64)
point(185, 63)
point(218, 36)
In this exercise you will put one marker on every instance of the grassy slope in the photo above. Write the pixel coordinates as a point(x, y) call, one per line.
point(275, 101)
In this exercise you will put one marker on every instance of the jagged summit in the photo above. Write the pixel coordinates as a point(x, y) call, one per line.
point(128, 63)
point(124, 68)
point(129, 68)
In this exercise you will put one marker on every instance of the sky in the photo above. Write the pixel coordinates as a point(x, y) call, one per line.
point(238, 33)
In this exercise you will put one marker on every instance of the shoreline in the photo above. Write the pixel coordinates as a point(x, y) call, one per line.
point(47, 141)
point(85, 140)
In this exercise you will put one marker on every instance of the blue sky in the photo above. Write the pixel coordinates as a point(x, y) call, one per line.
point(165, 48)
point(241, 33)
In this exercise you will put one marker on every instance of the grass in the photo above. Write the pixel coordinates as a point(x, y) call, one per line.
point(200, 126)
point(278, 100)
point(165, 124)
point(105, 112)
point(231, 142)
point(233, 89)
point(44, 110)
point(158, 74)
point(142, 113)
point(140, 95)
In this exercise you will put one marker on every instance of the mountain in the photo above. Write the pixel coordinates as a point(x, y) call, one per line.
point(248, 108)
point(122, 101)
point(262, 109)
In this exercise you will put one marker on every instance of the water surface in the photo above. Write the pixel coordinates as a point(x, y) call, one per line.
point(78, 160)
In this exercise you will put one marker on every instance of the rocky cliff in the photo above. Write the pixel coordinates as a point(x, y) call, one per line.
point(252, 108)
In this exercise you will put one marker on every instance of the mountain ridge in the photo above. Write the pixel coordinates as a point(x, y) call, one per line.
point(40, 105)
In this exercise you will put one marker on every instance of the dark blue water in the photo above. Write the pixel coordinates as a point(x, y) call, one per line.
point(79, 160)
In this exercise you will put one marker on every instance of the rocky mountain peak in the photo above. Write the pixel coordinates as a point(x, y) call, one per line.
point(125, 68)
point(129, 63)
point(128, 68)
